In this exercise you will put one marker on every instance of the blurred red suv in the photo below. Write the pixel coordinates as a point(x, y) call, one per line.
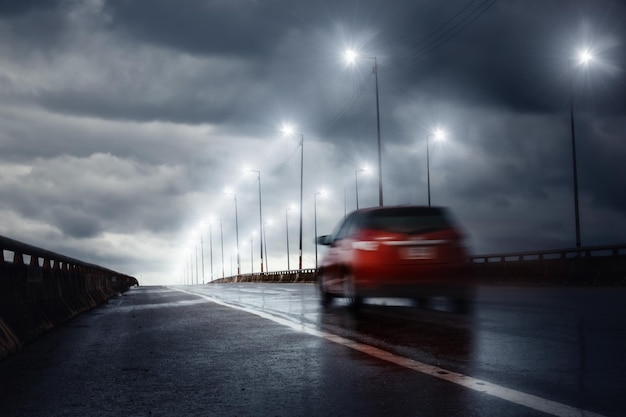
point(412, 252)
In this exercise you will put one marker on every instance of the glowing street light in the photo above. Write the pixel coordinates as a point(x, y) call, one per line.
point(320, 193)
point(252, 234)
point(351, 57)
point(211, 221)
point(230, 192)
point(289, 130)
point(260, 212)
point(584, 57)
point(438, 134)
point(287, 210)
point(269, 222)
point(356, 182)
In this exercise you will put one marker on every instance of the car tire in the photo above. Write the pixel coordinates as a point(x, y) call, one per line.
point(349, 291)
point(326, 298)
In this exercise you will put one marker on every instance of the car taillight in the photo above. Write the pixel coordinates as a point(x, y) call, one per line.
point(365, 245)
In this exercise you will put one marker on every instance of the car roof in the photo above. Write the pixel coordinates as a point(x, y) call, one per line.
point(391, 208)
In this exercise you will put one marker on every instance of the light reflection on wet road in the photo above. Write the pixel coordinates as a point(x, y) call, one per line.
point(563, 344)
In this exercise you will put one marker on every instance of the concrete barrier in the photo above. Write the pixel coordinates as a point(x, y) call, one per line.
point(40, 290)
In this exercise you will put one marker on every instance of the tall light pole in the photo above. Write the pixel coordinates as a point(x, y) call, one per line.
point(583, 58)
point(287, 210)
point(210, 251)
point(197, 275)
point(264, 237)
point(356, 183)
point(260, 215)
point(228, 192)
point(352, 56)
point(251, 254)
point(289, 131)
point(202, 253)
point(222, 244)
point(321, 193)
point(438, 134)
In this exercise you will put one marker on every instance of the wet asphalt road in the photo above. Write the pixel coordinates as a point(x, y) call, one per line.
point(271, 350)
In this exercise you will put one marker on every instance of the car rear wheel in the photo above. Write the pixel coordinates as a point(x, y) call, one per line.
point(349, 291)
point(326, 298)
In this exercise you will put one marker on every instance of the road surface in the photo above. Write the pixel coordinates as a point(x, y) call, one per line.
point(272, 350)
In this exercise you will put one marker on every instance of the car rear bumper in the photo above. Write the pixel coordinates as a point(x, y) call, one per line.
point(431, 280)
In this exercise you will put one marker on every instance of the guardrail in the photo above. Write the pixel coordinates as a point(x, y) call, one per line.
point(40, 289)
point(293, 275)
point(591, 265)
point(569, 253)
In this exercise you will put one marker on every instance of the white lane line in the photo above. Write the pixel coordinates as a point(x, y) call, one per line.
point(527, 400)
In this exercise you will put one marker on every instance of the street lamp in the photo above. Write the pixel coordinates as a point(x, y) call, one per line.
point(583, 58)
point(356, 183)
point(320, 193)
point(352, 56)
point(287, 210)
point(229, 192)
point(222, 245)
point(288, 130)
point(260, 213)
point(438, 134)
point(264, 237)
point(202, 254)
point(210, 251)
point(252, 252)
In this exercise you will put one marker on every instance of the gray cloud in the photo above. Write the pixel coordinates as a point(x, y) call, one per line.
point(123, 121)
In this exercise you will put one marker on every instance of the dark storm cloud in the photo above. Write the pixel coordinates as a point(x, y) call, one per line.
point(241, 27)
point(14, 8)
point(123, 121)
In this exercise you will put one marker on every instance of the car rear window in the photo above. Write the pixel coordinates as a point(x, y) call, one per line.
point(407, 219)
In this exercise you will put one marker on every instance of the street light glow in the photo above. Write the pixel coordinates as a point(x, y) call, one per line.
point(351, 56)
point(439, 134)
point(584, 56)
point(288, 130)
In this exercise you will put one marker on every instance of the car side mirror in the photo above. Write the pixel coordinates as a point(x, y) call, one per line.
point(324, 240)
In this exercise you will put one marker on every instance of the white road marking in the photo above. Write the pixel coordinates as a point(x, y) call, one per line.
point(527, 400)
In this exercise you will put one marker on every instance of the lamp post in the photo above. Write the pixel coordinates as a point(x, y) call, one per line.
point(584, 57)
point(210, 251)
point(202, 252)
point(197, 274)
point(260, 215)
point(264, 237)
point(222, 246)
point(438, 134)
point(228, 192)
point(356, 183)
point(287, 230)
point(251, 254)
point(289, 131)
point(352, 56)
point(321, 193)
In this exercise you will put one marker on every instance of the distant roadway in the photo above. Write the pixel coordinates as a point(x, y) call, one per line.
point(272, 350)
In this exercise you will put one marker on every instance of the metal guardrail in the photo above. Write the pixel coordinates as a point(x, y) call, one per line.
point(512, 258)
point(17, 252)
point(292, 275)
point(569, 253)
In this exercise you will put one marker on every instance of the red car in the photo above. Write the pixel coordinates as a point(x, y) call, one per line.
point(402, 251)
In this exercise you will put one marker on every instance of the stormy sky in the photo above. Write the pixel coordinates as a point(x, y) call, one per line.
point(122, 122)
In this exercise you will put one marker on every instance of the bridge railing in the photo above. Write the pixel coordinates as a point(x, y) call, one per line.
point(40, 289)
point(591, 265)
point(571, 266)
point(293, 275)
point(568, 253)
